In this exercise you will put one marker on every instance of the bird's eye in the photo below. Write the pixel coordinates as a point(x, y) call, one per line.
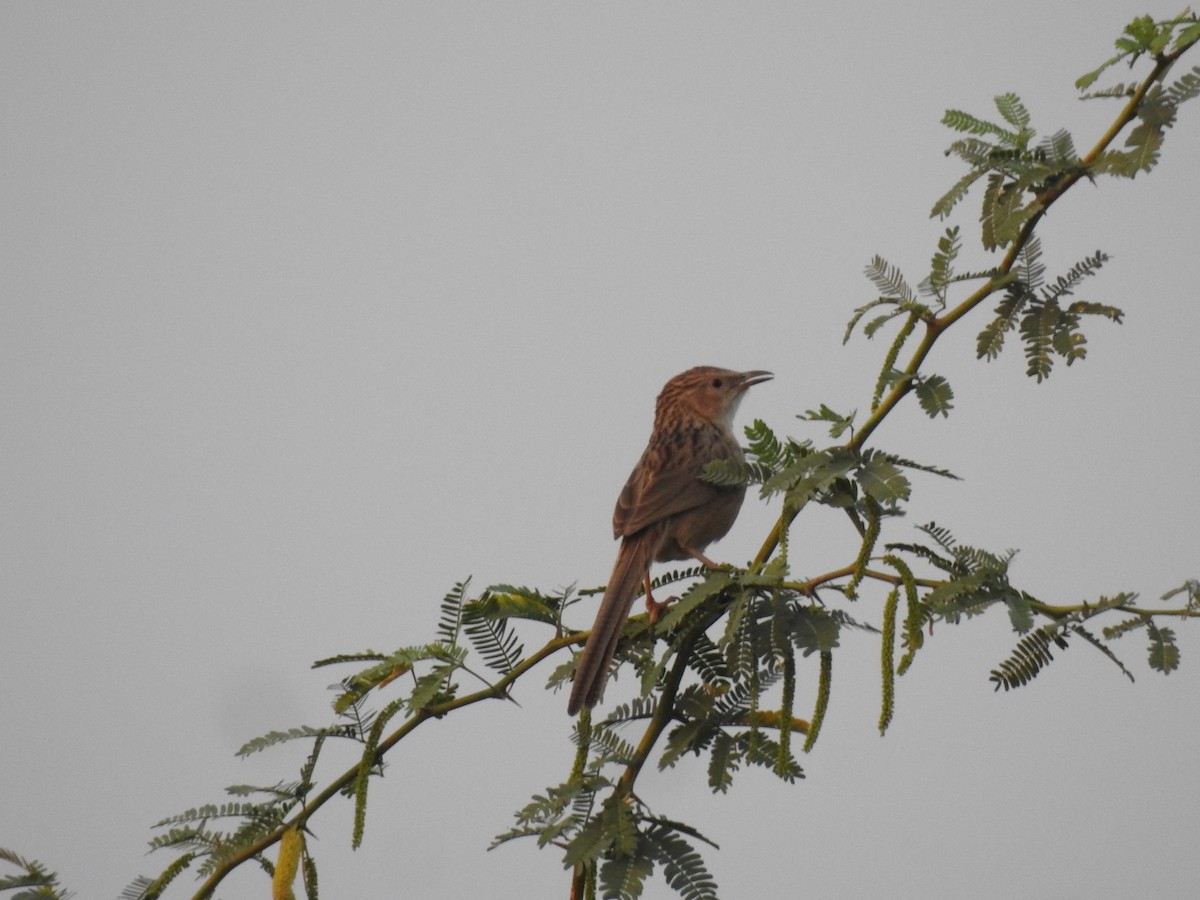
point(717, 382)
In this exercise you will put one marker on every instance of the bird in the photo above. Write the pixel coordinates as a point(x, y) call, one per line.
point(665, 511)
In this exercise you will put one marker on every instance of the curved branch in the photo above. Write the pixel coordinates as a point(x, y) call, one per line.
point(497, 691)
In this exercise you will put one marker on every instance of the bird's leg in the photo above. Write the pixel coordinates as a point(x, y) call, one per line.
point(704, 560)
point(653, 608)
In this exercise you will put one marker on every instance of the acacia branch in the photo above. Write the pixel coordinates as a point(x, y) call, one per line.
point(935, 326)
point(497, 691)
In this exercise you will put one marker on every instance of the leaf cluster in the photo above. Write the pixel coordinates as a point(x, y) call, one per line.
point(33, 881)
point(1035, 309)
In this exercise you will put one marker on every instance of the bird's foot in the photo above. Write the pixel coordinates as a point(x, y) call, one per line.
point(654, 609)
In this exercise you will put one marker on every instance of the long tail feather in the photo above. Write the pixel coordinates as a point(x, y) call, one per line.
point(633, 561)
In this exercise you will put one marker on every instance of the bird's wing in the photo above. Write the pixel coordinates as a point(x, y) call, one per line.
point(650, 496)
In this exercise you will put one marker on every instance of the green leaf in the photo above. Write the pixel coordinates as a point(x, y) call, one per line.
point(1030, 269)
point(814, 630)
point(1065, 285)
point(1016, 115)
point(990, 341)
point(1096, 309)
point(889, 280)
point(1187, 36)
point(722, 763)
point(504, 601)
point(591, 840)
point(969, 124)
point(763, 442)
point(991, 191)
point(1145, 143)
point(1123, 91)
point(1191, 588)
point(1060, 147)
point(1009, 213)
point(921, 467)
point(872, 327)
point(881, 479)
point(1142, 34)
point(623, 876)
point(1164, 653)
point(278, 737)
point(1157, 110)
point(683, 867)
point(935, 395)
point(807, 476)
point(1117, 163)
point(863, 310)
point(492, 636)
point(941, 268)
point(1185, 88)
point(838, 423)
point(1103, 648)
point(714, 583)
point(1036, 327)
point(1029, 657)
point(1068, 342)
point(946, 203)
point(976, 153)
point(1020, 613)
point(450, 622)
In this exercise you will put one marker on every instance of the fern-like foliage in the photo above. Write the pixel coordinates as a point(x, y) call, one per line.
point(622, 841)
point(890, 281)
point(977, 579)
point(300, 732)
point(767, 456)
point(1031, 655)
point(1158, 110)
point(935, 395)
point(1014, 173)
point(34, 880)
point(1186, 88)
point(451, 621)
point(143, 888)
point(1164, 652)
point(1036, 310)
point(896, 298)
point(839, 424)
point(726, 728)
point(683, 867)
point(506, 601)
point(492, 636)
point(941, 268)
point(1032, 652)
point(634, 844)
point(1190, 589)
point(430, 667)
point(555, 814)
point(707, 661)
point(1102, 647)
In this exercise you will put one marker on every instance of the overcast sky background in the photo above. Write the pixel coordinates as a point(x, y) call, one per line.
point(308, 314)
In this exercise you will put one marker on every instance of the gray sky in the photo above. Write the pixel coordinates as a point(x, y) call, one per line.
point(308, 315)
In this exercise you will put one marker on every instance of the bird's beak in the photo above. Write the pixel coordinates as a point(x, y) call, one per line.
point(757, 376)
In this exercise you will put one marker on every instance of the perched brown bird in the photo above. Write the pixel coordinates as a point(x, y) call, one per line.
point(665, 511)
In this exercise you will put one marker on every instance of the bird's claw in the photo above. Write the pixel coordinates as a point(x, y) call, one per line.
point(654, 609)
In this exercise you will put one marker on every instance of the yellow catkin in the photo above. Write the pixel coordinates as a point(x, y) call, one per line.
point(291, 846)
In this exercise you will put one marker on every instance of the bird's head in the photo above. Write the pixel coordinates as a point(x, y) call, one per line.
point(709, 392)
